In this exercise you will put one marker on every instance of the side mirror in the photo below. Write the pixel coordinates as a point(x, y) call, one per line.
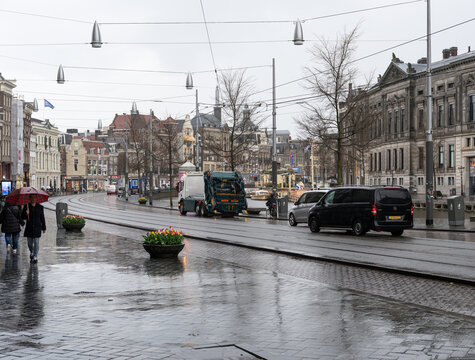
point(296, 203)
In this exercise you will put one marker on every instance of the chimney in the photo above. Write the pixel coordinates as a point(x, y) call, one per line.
point(445, 53)
point(453, 51)
point(422, 60)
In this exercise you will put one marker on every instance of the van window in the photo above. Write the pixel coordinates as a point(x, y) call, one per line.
point(361, 196)
point(393, 196)
point(328, 199)
point(313, 197)
point(342, 196)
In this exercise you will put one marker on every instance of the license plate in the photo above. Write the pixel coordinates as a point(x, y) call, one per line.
point(394, 217)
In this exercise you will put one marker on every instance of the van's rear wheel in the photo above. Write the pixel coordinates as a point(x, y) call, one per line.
point(358, 227)
point(397, 232)
point(313, 224)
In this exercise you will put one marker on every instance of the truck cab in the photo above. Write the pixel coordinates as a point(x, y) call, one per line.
point(192, 193)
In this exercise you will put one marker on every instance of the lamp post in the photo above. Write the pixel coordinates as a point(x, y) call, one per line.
point(429, 141)
point(189, 86)
point(150, 190)
point(274, 145)
point(133, 111)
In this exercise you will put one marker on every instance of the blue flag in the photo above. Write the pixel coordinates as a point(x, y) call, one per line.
point(48, 104)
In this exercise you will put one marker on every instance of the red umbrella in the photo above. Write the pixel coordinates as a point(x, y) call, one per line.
point(21, 196)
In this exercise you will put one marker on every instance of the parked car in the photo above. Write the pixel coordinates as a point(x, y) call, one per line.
point(364, 208)
point(299, 212)
point(112, 189)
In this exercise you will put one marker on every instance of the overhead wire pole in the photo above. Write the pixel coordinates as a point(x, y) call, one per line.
point(197, 140)
point(150, 190)
point(429, 140)
point(274, 146)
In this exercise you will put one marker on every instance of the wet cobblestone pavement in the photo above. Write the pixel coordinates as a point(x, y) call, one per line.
point(98, 295)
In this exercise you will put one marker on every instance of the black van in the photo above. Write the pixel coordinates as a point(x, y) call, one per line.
point(382, 208)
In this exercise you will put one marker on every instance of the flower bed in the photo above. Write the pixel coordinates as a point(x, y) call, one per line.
point(73, 220)
point(142, 200)
point(165, 236)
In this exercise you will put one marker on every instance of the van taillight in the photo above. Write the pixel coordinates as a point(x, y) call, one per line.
point(373, 210)
point(412, 209)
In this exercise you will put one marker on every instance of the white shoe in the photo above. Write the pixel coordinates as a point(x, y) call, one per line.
point(14, 251)
point(8, 247)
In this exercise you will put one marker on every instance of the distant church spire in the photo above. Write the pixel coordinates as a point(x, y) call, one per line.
point(99, 125)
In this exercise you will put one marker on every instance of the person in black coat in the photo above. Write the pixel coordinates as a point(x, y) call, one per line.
point(11, 220)
point(34, 215)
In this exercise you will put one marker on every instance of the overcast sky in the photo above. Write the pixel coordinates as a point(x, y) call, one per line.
point(89, 95)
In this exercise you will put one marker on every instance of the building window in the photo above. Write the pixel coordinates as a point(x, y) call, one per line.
point(401, 121)
point(451, 156)
point(379, 161)
point(472, 109)
point(370, 162)
point(440, 87)
point(401, 181)
point(388, 181)
point(440, 180)
point(451, 113)
point(389, 123)
point(440, 115)
point(401, 159)
point(75, 152)
point(75, 164)
point(395, 159)
point(388, 160)
point(421, 158)
point(467, 142)
point(441, 156)
point(420, 124)
point(395, 121)
point(420, 181)
point(451, 180)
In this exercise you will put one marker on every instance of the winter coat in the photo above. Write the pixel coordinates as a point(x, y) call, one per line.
point(35, 222)
point(11, 220)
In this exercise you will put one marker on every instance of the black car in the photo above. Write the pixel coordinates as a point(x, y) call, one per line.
point(364, 208)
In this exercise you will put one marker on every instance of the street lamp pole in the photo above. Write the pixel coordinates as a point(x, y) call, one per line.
point(429, 141)
point(274, 146)
point(150, 190)
point(197, 140)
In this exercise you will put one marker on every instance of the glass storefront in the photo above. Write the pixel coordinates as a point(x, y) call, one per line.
point(471, 174)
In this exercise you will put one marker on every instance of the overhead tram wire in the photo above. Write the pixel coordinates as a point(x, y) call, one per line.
point(190, 42)
point(371, 55)
point(211, 50)
point(246, 22)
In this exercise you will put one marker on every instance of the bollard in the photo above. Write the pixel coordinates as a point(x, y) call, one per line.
point(61, 212)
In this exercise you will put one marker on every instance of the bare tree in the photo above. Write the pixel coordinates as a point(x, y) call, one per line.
point(167, 138)
point(241, 121)
point(331, 119)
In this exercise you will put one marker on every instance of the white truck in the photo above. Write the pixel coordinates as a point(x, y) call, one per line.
point(192, 193)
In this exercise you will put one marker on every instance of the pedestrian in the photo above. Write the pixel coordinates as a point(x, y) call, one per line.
point(11, 220)
point(34, 215)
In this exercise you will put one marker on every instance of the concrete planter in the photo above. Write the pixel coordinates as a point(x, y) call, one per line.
point(74, 227)
point(163, 251)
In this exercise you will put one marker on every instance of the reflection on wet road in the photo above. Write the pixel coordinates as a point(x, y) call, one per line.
point(97, 294)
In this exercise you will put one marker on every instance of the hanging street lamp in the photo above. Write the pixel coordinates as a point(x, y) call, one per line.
point(298, 33)
point(60, 76)
point(96, 41)
point(189, 81)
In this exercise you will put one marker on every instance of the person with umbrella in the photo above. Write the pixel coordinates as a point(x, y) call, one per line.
point(34, 215)
point(11, 220)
